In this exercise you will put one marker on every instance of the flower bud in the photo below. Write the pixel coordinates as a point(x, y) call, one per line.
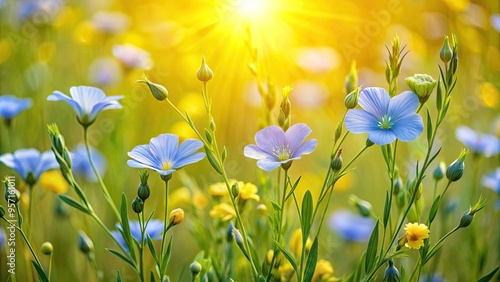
point(229, 232)
point(351, 100)
point(439, 171)
point(336, 163)
point(195, 268)
point(143, 191)
point(456, 169)
point(400, 200)
point(391, 273)
point(286, 105)
point(84, 243)
point(176, 216)
point(466, 219)
point(422, 85)
point(398, 185)
point(204, 73)
point(61, 209)
point(67, 158)
point(137, 205)
point(446, 53)
point(47, 248)
point(57, 139)
point(338, 132)
point(159, 91)
point(12, 195)
point(237, 237)
point(351, 80)
point(235, 189)
point(364, 207)
point(262, 209)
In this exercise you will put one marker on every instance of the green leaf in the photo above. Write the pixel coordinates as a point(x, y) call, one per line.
point(287, 255)
point(488, 276)
point(224, 154)
point(276, 207)
point(312, 259)
point(357, 274)
point(152, 277)
point(293, 188)
point(307, 210)
point(371, 250)
point(434, 208)
point(429, 127)
point(439, 96)
point(118, 276)
point(209, 136)
point(70, 201)
point(127, 235)
point(40, 273)
point(122, 257)
point(152, 249)
point(387, 209)
point(166, 257)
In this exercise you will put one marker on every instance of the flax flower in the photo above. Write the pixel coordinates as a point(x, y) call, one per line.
point(154, 229)
point(30, 163)
point(479, 143)
point(11, 106)
point(276, 147)
point(385, 118)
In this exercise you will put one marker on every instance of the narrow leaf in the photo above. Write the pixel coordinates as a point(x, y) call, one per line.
point(152, 277)
point(387, 209)
point(122, 257)
point(118, 276)
point(429, 127)
point(70, 201)
point(212, 159)
point(287, 255)
point(488, 276)
point(312, 259)
point(152, 249)
point(307, 210)
point(293, 188)
point(371, 250)
point(276, 206)
point(166, 257)
point(434, 208)
point(127, 235)
point(40, 273)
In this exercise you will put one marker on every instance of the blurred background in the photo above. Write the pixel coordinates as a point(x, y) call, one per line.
point(48, 45)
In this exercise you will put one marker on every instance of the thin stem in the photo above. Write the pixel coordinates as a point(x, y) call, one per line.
point(25, 240)
point(141, 246)
point(50, 265)
point(30, 208)
point(107, 196)
point(165, 222)
point(416, 269)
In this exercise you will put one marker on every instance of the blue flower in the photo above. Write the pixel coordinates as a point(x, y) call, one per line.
point(492, 180)
point(2, 239)
point(276, 147)
point(385, 118)
point(81, 164)
point(154, 229)
point(29, 163)
point(351, 226)
point(133, 57)
point(87, 101)
point(486, 144)
point(164, 155)
point(11, 106)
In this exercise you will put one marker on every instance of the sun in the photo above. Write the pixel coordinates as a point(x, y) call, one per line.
point(253, 9)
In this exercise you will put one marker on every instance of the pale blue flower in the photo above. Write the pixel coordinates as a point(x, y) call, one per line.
point(110, 22)
point(87, 101)
point(479, 143)
point(492, 180)
point(11, 106)
point(2, 239)
point(164, 155)
point(154, 229)
point(385, 118)
point(30, 163)
point(132, 56)
point(105, 71)
point(81, 164)
point(276, 147)
point(351, 226)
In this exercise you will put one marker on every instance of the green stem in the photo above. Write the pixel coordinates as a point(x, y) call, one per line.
point(107, 196)
point(416, 269)
point(165, 222)
point(141, 246)
point(30, 208)
point(50, 265)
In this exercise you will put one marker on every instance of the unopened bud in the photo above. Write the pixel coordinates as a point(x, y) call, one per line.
point(439, 171)
point(364, 207)
point(229, 232)
point(47, 248)
point(446, 53)
point(422, 85)
point(398, 185)
point(466, 219)
point(159, 91)
point(195, 268)
point(286, 105)
point(262, 209)
point(204, 73)
point(351, 80)
point(336, 163)
point(176, 216)
point(338, 132)
point(235, 190)
point(237, 237)
point(391, 273)
point(84, 243)
point(456, 169)
point(351, 100)
point(137, 205)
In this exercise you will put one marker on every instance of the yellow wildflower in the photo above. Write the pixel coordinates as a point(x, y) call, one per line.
point(323, 272)
point(218, 189)
point(199, 200)
point(223, 211)
point(415, 235)
point(248, 191)
point(180, 197)
point(286, 271)
point(296, 243)
point(53, 180)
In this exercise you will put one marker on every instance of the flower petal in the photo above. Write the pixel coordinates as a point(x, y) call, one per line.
point(254, 152)
point(295, 135)
point(304, 149)
point(408, 128)
point(143, 155)
point(381, 136)
point(270, 137)
point(164, 147)
point(187, 148)
point(268, 164)
point(47, 161)
point(136, 164)
point(374, 100)
point(360, 121)
point(59, 96)
point(87, 97)
point(188, 160)
point(403, 104)
point(102, 106)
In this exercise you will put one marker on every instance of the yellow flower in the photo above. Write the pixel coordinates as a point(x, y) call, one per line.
point(218, 189)
point(53, 180)
point(415, 235)
point(176, 216)
point(323, 272)
point(296, 243)
point(223, 211)
point(180, 197)
point(199, 200)
point(286, 271)
point(248, 191)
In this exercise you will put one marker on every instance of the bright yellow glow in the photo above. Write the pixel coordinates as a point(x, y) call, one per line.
point(252, 8)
